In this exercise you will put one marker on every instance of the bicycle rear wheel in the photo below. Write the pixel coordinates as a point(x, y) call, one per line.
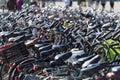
point(22, 69)
point(4, 72)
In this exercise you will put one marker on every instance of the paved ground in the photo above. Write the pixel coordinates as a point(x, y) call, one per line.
point(59, 3)
point(116, 7)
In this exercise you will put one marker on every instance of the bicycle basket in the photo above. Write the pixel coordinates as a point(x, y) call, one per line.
point(15, 53)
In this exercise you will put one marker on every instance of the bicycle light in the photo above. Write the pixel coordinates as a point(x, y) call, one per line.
point(35, 68)
point(19, 68)
point(16, 77)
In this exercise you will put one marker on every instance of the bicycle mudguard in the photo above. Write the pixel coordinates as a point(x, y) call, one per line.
point(18, 67)
point(63, 57)
point(89, 71)
point(21, 76)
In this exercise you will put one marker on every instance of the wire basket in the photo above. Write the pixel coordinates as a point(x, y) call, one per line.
point(15, 53)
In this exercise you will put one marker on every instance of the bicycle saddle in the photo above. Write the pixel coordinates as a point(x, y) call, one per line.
point(63, 57)
point(49, 69)
point(44, 48)
point(22, 37)
point(80, 61)
point(27, 36)
point(106, 25)
point(78, 51)
point(61, 47)
point(76, 54)
point(47, 53)
point(55, 63)
point(3, 33)
point(10, 34)
point(93, 60)
point(89, 71)
point(79, 54)
point(40, 45)
point(18, 38)
point(116, 70)
point(18, 33)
